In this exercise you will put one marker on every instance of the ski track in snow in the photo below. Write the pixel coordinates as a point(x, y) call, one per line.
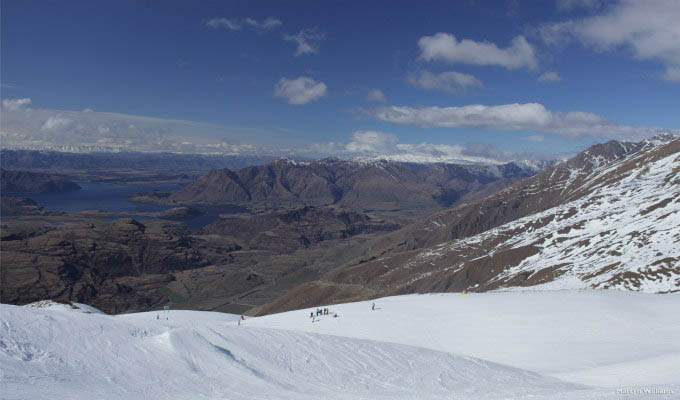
point(537, 345)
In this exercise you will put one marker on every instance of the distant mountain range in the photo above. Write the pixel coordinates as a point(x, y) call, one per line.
point(367, 184)
point(33, 182)
point(607, 218)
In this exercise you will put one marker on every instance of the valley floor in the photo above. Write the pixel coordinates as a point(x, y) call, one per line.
point(538, 345)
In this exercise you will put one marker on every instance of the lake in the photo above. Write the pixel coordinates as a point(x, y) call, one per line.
point(100, 196)
point(109, 197)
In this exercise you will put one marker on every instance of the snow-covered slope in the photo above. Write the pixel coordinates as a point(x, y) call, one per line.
point(71, 306)
point(594, 337)
point(47, 353)
point(409, 347)
point(623, 234)
point(608, 218)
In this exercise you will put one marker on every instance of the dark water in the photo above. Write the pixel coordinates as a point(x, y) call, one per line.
point(100, 196)
point(108, 197)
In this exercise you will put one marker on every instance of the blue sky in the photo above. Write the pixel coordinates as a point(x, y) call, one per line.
point(546, 77)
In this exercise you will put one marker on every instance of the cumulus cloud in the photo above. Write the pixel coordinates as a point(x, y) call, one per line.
point(648, 28)
point(307, 41)
point(384, 145)
point(549, 76)
point(508, 116)
point(445, 47)
point(372, 142)
point(55, 122)
point(376, 95)
point(516, 117)
point(449, 81)
point(301, 90)
point(236, 24)
point(15, 104)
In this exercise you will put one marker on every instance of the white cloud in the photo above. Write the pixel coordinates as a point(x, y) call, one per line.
point(516, 117)
point(15, 104)
point(649, 28)
point(301, 90)
point(267, 24)
point(232, 24)
point(445, 47)
point(509, 116)
point(383, 145)
point(549, 76)
point(55, 122)
point(307, 41)
point(567, 5)
point(236, 25)
point(376, 95)
point(101, 131)
point(449, 81)
point(372, 142)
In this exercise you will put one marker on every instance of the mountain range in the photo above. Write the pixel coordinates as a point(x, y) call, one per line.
point(332, 230)
point(34, 182)
point(361, 184)
point(607, 218)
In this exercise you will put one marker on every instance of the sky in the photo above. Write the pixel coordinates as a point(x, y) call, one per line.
point(500, 79)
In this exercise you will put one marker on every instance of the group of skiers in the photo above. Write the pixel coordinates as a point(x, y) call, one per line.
point(326, 311)
point(319, 311)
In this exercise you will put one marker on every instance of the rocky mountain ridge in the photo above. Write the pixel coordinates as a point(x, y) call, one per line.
point(378, 183)
point(34, 182)
point(608, 218)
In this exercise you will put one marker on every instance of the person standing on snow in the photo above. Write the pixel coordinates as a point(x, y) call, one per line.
point(373, 307)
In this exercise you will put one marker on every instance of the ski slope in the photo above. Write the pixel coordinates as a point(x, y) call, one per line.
point(538, 345)
point(596, 337)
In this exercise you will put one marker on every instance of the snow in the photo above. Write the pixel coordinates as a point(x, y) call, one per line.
point(565, 334)
point(538, 345)
point(49, 304)
point(621, 234)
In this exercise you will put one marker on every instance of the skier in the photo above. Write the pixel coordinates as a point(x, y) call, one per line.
point(242, 317)
point(157, 316)
point(373, 307)
point(311, 314)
